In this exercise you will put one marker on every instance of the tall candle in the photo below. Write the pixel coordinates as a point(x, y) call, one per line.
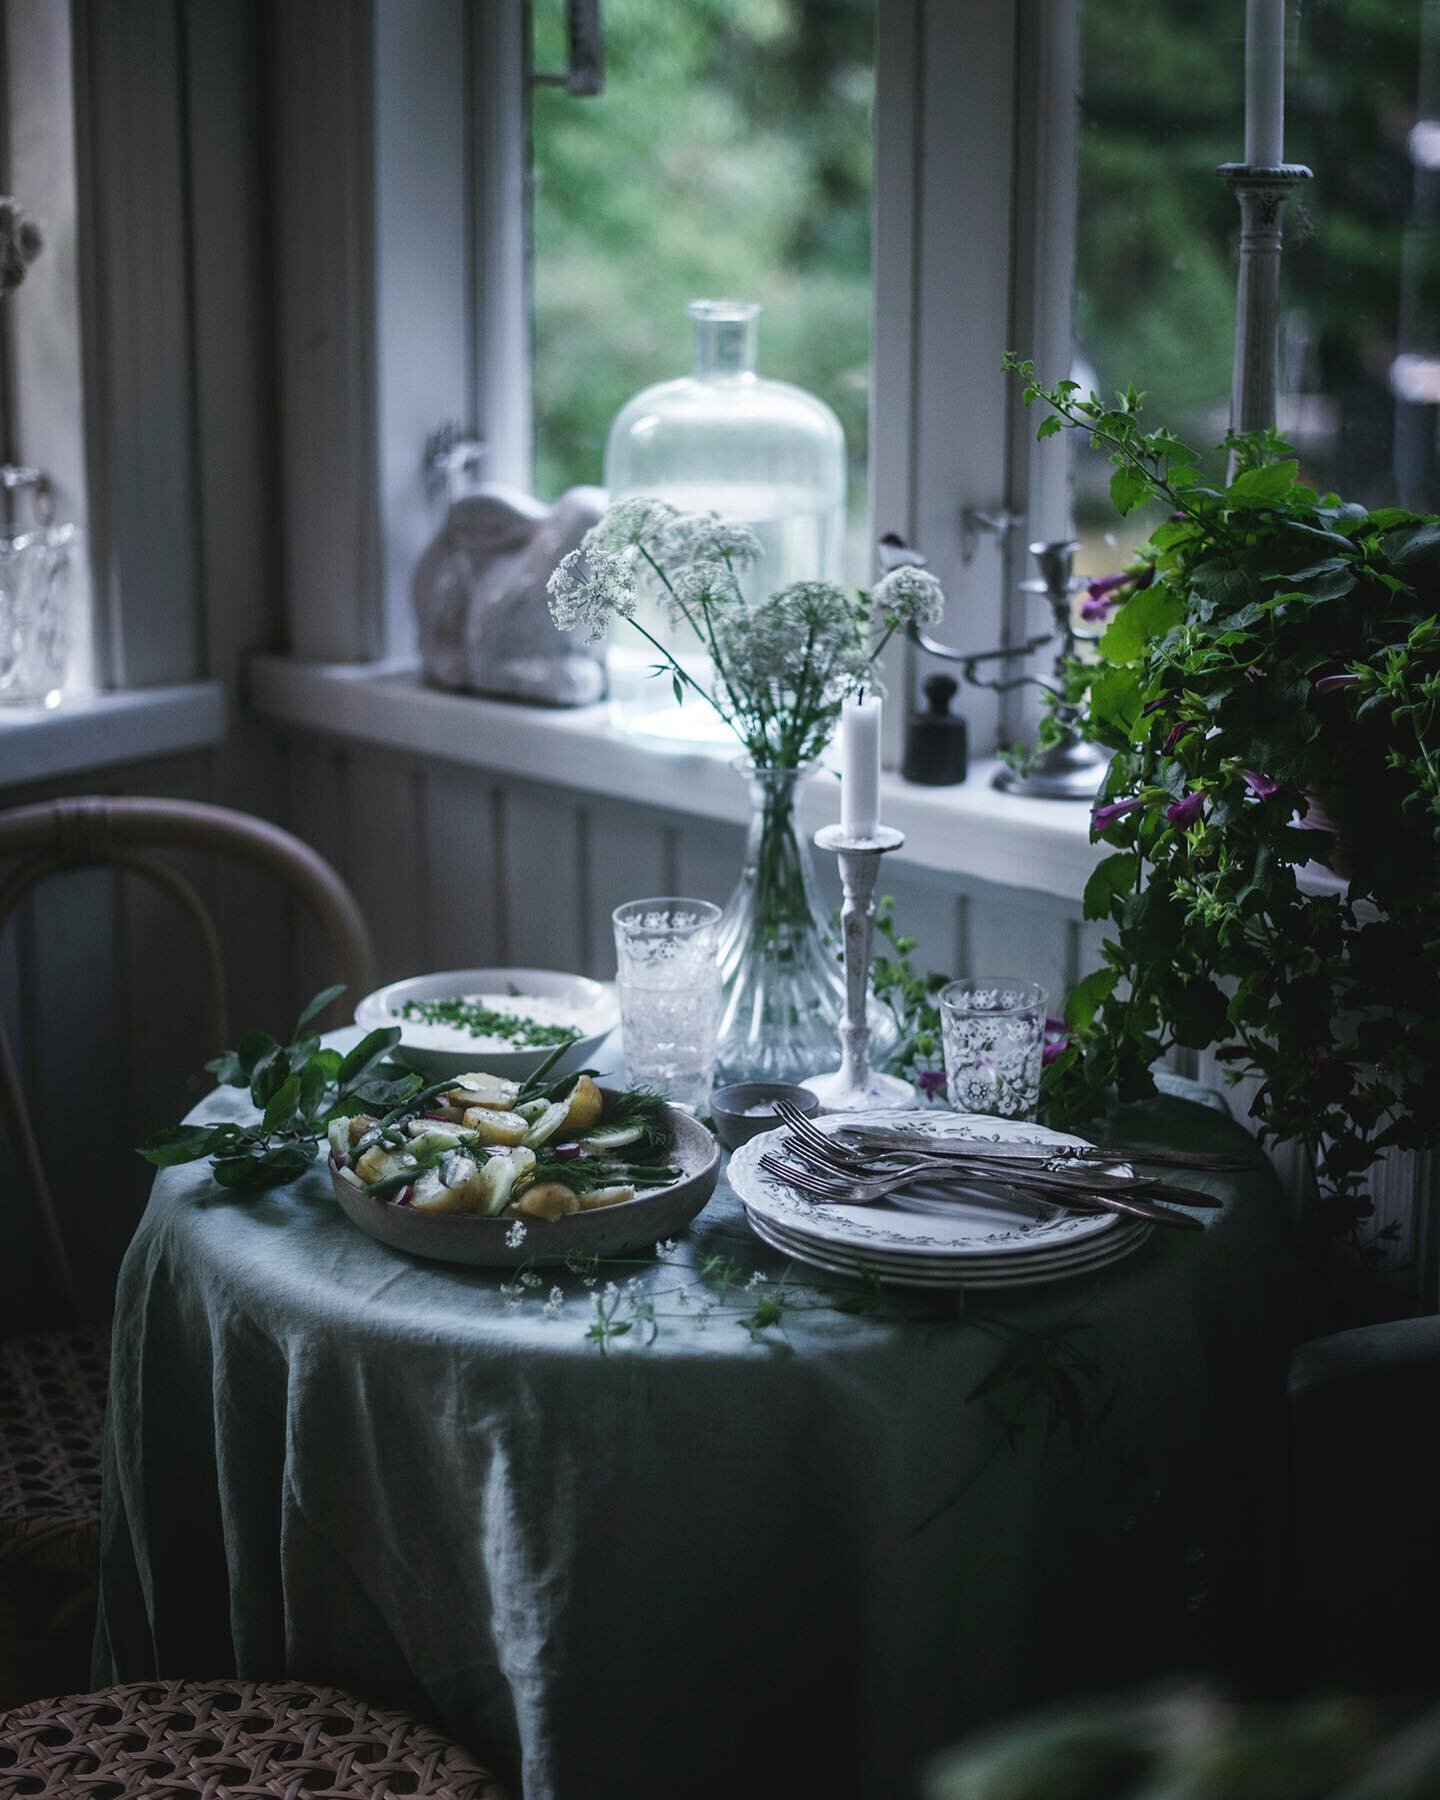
point(1265, 83)
point(860, 767)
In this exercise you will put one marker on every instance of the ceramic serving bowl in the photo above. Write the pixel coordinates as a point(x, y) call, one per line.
point(730, 1108)
point(596, 1009)
point(636, 1224)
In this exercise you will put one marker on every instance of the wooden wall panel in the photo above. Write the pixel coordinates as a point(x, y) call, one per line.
point(465, 881)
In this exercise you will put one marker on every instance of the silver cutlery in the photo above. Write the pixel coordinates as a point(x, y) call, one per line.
point(1199, 1161)
point(1054, 1171)
point(858, 1191)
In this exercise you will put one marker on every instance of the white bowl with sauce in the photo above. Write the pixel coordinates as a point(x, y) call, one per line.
point(544, 996)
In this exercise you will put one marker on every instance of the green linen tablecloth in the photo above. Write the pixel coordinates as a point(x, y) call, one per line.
point(702, 1566)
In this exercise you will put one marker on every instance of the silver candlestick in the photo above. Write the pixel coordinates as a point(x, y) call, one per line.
point(1262, 193)
point(855, 1086)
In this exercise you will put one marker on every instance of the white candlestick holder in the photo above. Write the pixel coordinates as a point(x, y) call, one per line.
point(855, 1086)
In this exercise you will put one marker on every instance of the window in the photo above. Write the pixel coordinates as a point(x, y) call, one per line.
point(1162, 106)
point(730, 154)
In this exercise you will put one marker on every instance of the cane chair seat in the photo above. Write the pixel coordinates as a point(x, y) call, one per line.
point(52, 1405)
point(228, 1740)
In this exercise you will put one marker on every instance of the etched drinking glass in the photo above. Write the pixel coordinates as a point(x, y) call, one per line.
point(668, 981)
point(993, 1029)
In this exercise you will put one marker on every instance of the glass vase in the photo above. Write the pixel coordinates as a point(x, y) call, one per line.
point(779, 952)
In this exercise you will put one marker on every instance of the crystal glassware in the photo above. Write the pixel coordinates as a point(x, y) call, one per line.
point(779, 953)
point(35, 609)
point(668, 982)
point(725, 439)
point(993, 1030)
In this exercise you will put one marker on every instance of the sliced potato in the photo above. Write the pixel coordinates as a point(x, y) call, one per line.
point(357, 1125)
point(480, 1089)
point(493, 1126)
point(338, 1132)
point(350, 1176)
point(586, 1105)
point(550, 1200)
point(610, 1196)
point(379, 1161)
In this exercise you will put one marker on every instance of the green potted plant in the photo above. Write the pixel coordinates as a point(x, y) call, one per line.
point(1268, 682)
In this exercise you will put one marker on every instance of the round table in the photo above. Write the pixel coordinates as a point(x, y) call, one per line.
point(797, 1557)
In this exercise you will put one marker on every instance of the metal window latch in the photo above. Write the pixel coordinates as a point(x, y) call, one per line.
point(997, 522)
point(584, 75)
point(452, 460)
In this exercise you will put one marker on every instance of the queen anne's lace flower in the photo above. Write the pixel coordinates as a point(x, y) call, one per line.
point(706, 538)
point(631, 524)
point(592, 586)
point(515, 1236)
point(908, 596)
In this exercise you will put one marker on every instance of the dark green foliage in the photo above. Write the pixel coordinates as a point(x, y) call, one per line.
point(1283, 662)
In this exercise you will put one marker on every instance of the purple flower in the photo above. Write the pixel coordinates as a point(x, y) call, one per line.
point(1327, 684)
point(1173, 736)
point(1261, 786)
point(931, 1082)
point(1104, 817)
point(1105, 596)
point(1057, 1040)
point(1187, 811)
point(1154, 706)
point(1102, 597)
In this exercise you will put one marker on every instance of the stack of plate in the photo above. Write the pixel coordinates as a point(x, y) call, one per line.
point(932, 1237)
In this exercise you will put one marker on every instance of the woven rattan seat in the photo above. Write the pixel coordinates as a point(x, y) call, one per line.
point(52, 1404)
point(228, 1740)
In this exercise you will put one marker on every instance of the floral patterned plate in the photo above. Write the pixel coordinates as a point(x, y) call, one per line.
point(918, 1225)
point(974, 1272)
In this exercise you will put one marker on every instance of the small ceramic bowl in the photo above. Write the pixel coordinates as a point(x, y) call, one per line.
point(730, 1108)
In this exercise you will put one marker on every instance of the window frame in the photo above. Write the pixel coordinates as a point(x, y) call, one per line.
point(416, 116)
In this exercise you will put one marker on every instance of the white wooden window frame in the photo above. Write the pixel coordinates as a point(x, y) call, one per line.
point(403, 149)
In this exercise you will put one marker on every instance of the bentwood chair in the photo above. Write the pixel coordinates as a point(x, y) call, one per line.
point(52, 1384)
point(203, 1739)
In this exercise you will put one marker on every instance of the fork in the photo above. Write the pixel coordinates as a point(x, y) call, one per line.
point(1057, 1173)
point(862, 1192)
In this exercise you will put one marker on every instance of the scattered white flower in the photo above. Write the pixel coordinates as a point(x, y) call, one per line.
point(682, 1298)
point(665, 1249)
point(529, 1278)
point(588, 1280)
point(554, 1303)
point(609, 1291)
point(515, 1236)
point(908, 596)
point(758, 1279)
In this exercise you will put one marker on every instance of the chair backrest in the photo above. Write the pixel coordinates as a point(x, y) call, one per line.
point(61, 835)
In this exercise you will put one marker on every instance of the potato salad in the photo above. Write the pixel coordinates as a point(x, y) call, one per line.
point(480, 1144)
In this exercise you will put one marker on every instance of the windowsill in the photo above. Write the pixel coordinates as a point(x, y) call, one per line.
point(971, 830)
point(98, 731)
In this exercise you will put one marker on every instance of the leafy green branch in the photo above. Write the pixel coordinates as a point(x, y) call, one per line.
point(298, 1088)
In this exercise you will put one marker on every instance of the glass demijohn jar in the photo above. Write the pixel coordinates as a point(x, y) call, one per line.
point(724, 439)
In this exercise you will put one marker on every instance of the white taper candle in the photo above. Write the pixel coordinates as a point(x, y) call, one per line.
point(1265, 83)
point(860, 766)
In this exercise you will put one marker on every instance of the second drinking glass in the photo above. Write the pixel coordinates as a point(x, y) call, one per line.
point(993, 1029)
point(668, 983)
